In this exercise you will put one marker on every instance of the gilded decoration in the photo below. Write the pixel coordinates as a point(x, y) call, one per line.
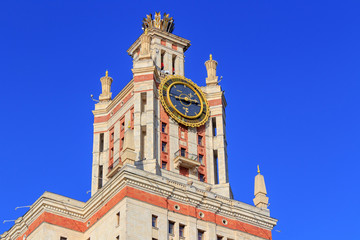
point(165, 24)
point(185, 117)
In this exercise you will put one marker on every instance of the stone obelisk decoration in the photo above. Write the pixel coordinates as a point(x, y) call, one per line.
point(145, 45)
point(128, 153)
point(211, 65)
point(106, 87)
point(260, 200)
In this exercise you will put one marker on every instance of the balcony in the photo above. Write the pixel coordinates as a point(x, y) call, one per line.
point(114, 168)
point(185, 159)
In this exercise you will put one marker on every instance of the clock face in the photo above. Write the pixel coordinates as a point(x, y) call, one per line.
point(184, 101)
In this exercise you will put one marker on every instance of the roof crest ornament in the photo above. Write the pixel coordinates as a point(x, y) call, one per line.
point(258, 169)
point(165, 24)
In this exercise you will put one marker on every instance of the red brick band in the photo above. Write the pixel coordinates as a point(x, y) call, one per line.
point(148, 198)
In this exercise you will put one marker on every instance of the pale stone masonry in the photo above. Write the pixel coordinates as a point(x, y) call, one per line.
point(152, 176)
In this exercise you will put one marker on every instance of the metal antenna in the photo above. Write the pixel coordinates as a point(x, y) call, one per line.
point(88, 191)
point(22, 207)
point(5, 221)
point(220, 79)
point(92, 98)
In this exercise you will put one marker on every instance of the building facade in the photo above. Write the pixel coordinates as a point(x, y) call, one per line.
point(160, 165)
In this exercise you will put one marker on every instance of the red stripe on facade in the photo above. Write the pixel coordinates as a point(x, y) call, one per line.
point(151, 199)
point(144, 77)
point(215, 102)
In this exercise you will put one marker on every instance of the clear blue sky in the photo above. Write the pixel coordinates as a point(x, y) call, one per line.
point(290, 72)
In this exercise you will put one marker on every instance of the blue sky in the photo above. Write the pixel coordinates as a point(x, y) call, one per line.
point(290, 74)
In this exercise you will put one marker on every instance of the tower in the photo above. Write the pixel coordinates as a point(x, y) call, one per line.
point(160, 165)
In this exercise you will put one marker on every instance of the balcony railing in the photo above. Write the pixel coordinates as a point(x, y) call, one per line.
point(113, 168)
point(186, 159)
point(186, 154)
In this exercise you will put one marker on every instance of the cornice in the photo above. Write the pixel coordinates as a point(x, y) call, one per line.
point(130, 176)
point(162, 34)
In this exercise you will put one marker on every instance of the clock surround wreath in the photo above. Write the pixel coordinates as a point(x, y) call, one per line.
point(184, 101)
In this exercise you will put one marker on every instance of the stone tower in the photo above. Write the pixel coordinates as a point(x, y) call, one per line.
point(160, 165)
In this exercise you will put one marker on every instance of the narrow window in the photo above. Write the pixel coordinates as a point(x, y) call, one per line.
point(163, 165)
point(118, 219)
point(143, 102)
point(216, 175)
point(112, 136)
point(142, 143)
point(201, 177)
point(162, 59)
point(219, 238)
point(214, 127)
point(111, 152)
point(163, 127)
point(171, 227)
point(122, 143)
point(181, 231)
point(154, 221)
point(200, 140)
point(201, 235)
point(163, 146)
point(173, 64)
point(118, 237)
point(101, 144)
point(123, 125)
point(201, 159)
point(183, 152)
point(100, 176)
point(63, 238)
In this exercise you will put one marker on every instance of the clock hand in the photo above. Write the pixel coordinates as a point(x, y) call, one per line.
point(187, 99)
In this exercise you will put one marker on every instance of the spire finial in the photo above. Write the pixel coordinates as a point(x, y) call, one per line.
point(106, 73)
point(258, 169)
point(210, 56)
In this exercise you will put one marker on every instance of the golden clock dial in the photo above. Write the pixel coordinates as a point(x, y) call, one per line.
point(184, 101)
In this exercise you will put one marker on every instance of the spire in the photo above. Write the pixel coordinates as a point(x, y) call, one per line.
point(106, 87)
point(260, 200)
point(211, 65)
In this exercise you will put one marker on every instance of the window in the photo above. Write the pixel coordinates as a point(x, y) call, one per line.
point(183, 152)
point(163, 146)
point(122, 143)
point(219, 238)
point(214, 126)
point(111, 152)
point(63, 238)
point(163, 165)
point(201, 235)
point(181, 230)
point(118, 219)
point(118, 237)
point(173, 64)
point(154, 221)
point(162, 59)
point(100, 176)
point(101, 145)
point(163, 127)
point(143, 102)
point(201, 158)
point(123, 125)
point(112, 136)
point(171, 227)
point(200, 140)
point(216, 167)
point(201, 177)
